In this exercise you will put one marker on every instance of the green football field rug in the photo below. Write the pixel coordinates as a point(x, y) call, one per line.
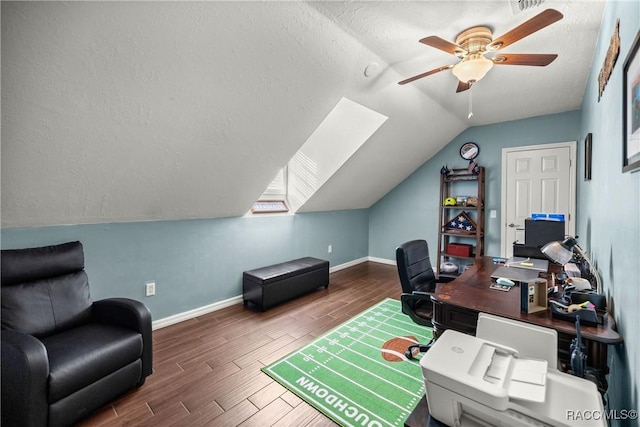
point(357, 374)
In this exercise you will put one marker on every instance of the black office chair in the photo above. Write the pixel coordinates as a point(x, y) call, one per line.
point(418, 282)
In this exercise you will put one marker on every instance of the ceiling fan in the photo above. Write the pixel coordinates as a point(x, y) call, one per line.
point(472, 44)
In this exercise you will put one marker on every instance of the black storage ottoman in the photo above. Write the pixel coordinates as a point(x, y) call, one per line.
point(271, 285)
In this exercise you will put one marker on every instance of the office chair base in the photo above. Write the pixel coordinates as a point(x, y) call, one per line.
point(421, 348)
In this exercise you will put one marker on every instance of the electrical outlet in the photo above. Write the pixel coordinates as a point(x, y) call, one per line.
point(493, 213)
point(330, 248)
point(150, 289)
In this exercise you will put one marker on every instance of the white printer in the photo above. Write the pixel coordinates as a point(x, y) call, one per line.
point(510, 380)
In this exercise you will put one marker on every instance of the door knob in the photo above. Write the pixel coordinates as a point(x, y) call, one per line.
point(513, 225)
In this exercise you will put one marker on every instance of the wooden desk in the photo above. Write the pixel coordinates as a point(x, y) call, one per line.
point(458, 303)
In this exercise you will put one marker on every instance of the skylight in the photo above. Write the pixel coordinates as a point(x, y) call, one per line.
point(345, 129)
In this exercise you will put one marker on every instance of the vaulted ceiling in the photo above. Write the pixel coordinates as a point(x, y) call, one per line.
point(124, 111)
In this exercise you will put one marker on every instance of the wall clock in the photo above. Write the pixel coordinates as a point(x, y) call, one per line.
point(469, 151)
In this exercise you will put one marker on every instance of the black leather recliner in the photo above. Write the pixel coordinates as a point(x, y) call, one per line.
point(63, 356)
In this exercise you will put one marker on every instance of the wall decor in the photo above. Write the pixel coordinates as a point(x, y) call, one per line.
point(609, 60)
point(469, 151)
point(587, 157)
point(631, 109)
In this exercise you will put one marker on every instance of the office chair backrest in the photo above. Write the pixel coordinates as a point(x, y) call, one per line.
point(414, 267)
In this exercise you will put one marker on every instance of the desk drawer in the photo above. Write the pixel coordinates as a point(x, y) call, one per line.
point(451, 317)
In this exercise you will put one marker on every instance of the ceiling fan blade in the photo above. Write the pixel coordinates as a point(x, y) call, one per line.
point(534, 24)
point(428, 73)
point(462, 86)
point(534, 59)
point(442, 44)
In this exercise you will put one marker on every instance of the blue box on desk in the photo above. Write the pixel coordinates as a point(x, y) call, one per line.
point(533, 296)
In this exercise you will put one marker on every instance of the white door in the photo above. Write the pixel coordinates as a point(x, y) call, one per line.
point(536, 179)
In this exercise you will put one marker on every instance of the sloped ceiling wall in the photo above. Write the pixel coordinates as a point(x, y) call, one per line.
point(125, 111)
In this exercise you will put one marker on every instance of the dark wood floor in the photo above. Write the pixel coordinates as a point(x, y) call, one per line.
point(207, 369)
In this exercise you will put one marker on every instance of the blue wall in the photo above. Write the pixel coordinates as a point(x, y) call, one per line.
point(410, 210)
point(609, 207)
point(198, 262)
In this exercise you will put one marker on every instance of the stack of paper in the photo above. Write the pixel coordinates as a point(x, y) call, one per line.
point(530, 263)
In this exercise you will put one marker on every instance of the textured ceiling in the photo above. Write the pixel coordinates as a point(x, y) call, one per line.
point(120, 111)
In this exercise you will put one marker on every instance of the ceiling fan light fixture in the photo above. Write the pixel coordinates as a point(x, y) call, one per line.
point(473, 68)
point(473, 43)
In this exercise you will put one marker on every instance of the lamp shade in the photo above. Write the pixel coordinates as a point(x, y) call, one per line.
point(472, 68)
point(560, 252)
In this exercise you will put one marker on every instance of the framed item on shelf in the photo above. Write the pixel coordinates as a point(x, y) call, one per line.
point(587, 157)
point(461, 223)
point(631, 109)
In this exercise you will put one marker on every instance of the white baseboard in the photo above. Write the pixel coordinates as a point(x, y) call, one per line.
point(348, 264)
point(381, 260)
point(190, 314)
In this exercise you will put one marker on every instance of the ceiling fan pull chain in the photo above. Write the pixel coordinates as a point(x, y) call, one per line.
point(470, 102)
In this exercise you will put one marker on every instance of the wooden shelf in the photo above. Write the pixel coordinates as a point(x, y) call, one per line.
point(460, 175)
point(447, 255)
point(461, 208)
point(475, 214)
point(457, 234)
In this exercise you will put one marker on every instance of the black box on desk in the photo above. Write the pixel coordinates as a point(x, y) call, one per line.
point(524, 251)
point(588, 317)
point(538, 233)
point(533, 296)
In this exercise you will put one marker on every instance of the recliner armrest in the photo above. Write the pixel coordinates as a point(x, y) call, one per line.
point(25, 374)
point(131, 314)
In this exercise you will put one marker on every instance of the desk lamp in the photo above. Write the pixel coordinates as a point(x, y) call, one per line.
point(562, 252)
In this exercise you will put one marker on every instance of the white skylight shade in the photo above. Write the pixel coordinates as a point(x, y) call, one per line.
point(278, 186)
point(345, 129)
